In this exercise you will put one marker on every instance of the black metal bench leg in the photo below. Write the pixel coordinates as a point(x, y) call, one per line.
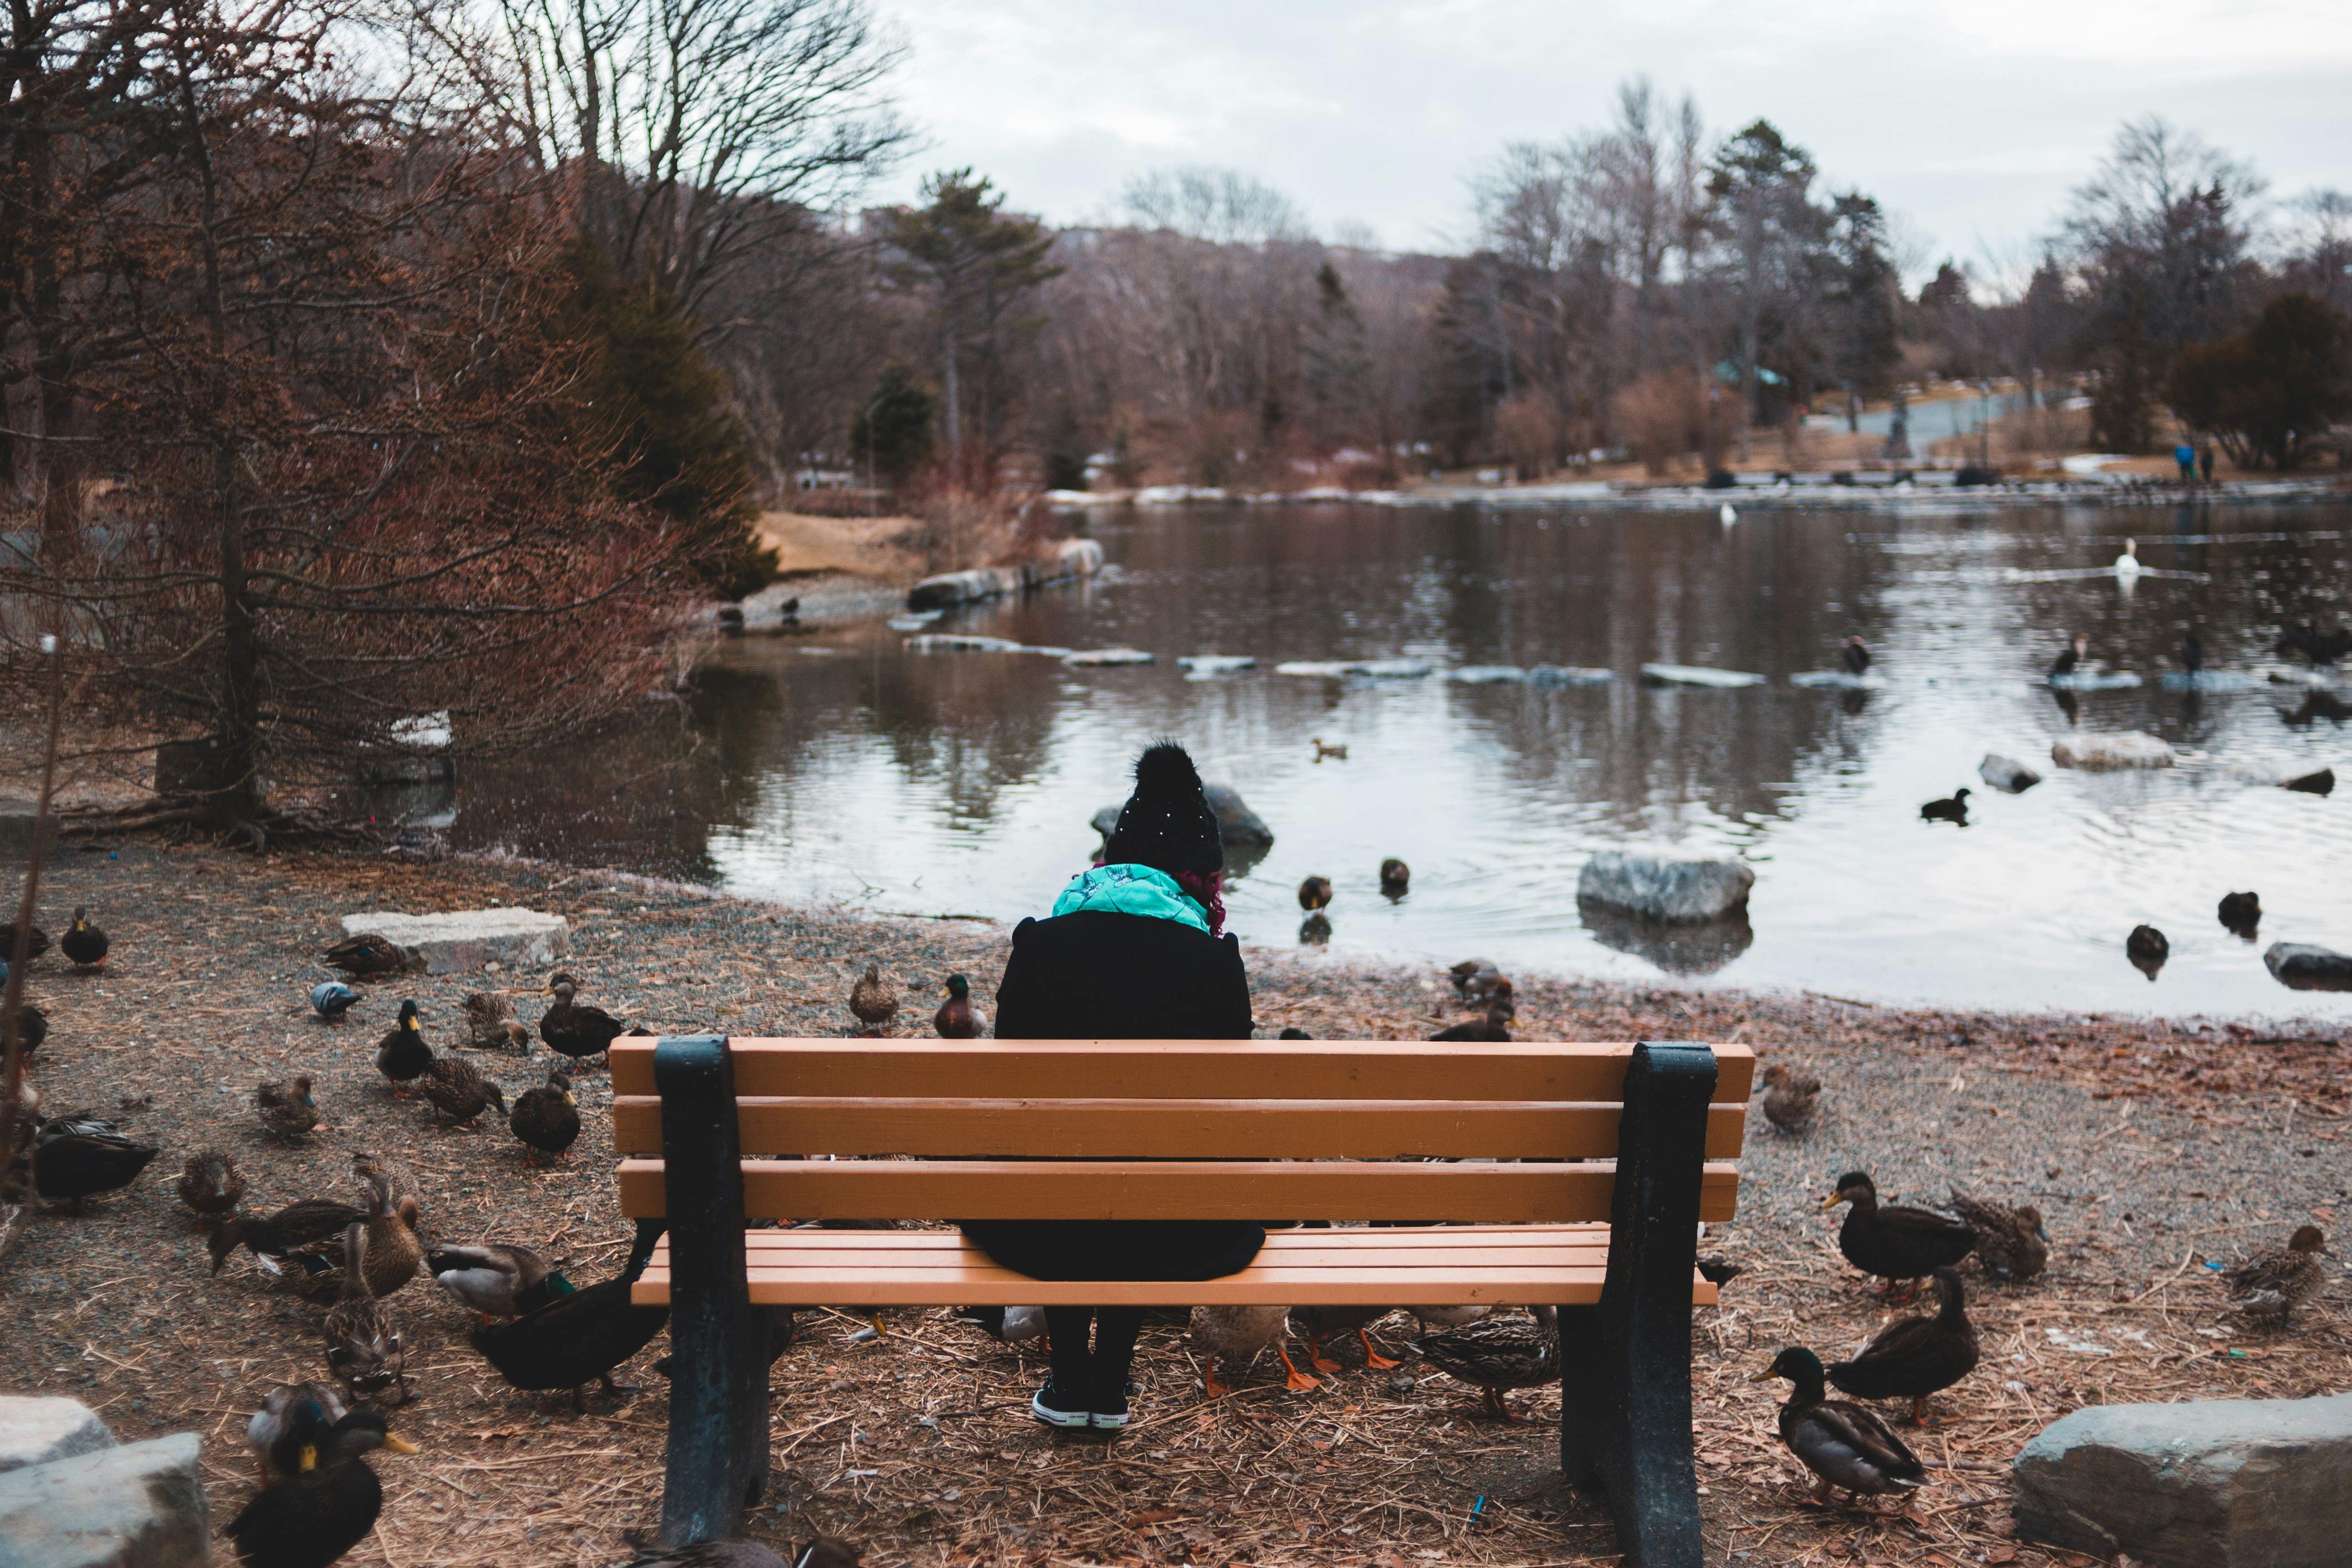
point(1626, 1390)
point(719, 1383)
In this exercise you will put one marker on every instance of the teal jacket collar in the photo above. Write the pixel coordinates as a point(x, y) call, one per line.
point(1131, 891)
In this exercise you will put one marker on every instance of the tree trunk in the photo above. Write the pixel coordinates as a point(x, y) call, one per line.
point(955, 400)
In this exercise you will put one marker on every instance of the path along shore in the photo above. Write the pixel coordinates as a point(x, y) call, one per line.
point(2151, 1146)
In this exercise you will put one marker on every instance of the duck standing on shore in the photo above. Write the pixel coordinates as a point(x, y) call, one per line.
point(874, 1001)
point(2270, 1285)
point(547, 1119)
point(580, 1338)
point(84, 944)
point(1912, 1358)
point(364, 1346)
point(2011, 1243)
point(497, 1278)
point(211, 1186)
point(287, 1109)
point(328, 1506)
point(574, 1030)
point(1894, 1241)
point(403, 1054)
point(1499, 1353)
point(957, 1019)
point(491, 1023)
point(1225, 1337)
point(368, 956)
point(1790, 1098)
point(1844, 1444)
point(275, 1435)
point(458, 1090)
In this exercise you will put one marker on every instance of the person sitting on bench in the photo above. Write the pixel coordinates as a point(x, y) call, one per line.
point(1135, 948)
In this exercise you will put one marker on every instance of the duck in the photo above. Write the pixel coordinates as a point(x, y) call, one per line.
point(276, 1236)
point(2127, 564)
point(403, 1054)
point(1009, 1325)
point(2011, 1243)
point(1315, 893)
point(289, 1109)
point(1396, 878)
point(2241, 913)
point(84, 944)
point(1449, 1317)
point(547, 1119)
point(368, 955)
point(956, 1020)
point(210, 1185)
point(458, 1090)
point(1324, 748)
point(1489, 1030)
point(78, 1157)
point(399, 1180)
point(2270, 1285)
point(490, 1021)
point(2320, 647)
point(874, 1001)
point(1499, 1354)
point(328, 1506)
point(497, 1278)
point(1727, 515)
point(2148, 948)
point(276, 1430)
point(32, 1024)
point(1895, 1241)
point(1855, 654)
point(1843, 1444)
point(1954, 810)
point(574, 1030)
point(1912, 1358)
point(1320, 1324)
point(364, 1346)
point(1790, 1098)
point(330, 999)
point(1475, 979)
point(825, 1552)
point(1233, 1336)
point(36, 941)
point(2072, 657)
point(579, 1339)
point(392, 1250)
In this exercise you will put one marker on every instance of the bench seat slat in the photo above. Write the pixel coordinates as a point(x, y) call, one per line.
point(1376, 1267)
point(1182, 1069)
point(882, 1244)
point(1163, 1129)
point(1173, 1189)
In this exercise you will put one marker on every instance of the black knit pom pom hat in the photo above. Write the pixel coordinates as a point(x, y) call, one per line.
point(1167, 824)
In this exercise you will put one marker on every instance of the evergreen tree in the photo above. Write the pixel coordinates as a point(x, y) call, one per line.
point(1338, 366)
point(646, 390)
point(891, 433)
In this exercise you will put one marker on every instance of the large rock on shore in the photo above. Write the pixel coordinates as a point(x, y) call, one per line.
point(2305, 966)
point(2105, 753)
point(1666, 884)
point(2223, 1483)
point(461, 940)
point(140, 1505)
point(34, 1430)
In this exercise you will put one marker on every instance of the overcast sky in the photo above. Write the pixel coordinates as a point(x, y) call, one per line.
point(1971, 118)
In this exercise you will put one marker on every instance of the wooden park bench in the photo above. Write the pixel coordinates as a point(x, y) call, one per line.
point(1587, 1169)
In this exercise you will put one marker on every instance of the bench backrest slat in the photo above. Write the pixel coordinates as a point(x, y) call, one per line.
point(1101, 1189)
point(1169, 1128)
point(1179, 1069)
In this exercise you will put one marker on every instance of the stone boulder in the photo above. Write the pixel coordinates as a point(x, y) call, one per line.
point(2006, 774)
point(1665, 885)
point(461, 940)
point(34, 1430)
point(1237, 824)
point(140, 1505)
point(2223, 1483)
point(2105, 753)
point(2305, 966)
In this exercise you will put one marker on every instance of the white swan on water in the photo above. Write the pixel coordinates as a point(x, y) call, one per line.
point(2127, 564)
point(1729, 514)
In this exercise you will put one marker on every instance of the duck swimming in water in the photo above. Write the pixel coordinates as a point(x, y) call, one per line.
point(2075, 652)
point(2127, 564)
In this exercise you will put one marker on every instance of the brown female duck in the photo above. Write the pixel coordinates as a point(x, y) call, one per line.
point(2010, 1242)
point(211, 1186)
point(547, 1119)
point(364, 1346)
point(1499, 1353)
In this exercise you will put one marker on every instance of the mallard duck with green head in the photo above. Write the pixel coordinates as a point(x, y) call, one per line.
point(497, 1278)
point(1843, 1445)
point(277, 1431)
point(329, 1503)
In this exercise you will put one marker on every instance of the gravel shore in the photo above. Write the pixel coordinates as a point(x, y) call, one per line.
point(2152, 1147)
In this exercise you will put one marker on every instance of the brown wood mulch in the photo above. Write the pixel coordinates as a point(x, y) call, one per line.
point(918, 1445)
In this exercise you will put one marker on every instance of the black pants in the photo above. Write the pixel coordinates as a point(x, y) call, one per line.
point(1099, 1375)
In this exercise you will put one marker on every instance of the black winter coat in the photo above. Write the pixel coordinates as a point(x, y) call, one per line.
point(1100, 976)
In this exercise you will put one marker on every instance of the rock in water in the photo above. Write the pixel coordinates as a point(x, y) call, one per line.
point(2006, 774)
point(2222, 1483)
point(2101, 753)
point(2304, 966)
point(1665, 885)
point(1236, 823)
point(138, 1506)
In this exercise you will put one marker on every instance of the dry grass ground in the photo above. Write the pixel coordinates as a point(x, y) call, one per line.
point(859, 546)
point(918, 1445)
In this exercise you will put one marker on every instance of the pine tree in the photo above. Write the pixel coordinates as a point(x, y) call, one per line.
point(891, 431)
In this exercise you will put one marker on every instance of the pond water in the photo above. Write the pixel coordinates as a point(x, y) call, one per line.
point(846, 769)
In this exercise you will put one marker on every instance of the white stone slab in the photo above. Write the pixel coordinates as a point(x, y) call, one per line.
point(1699, 675)
point(2105, 753)
point(138, 1506)
point(461, 940)
point(34, 1429)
